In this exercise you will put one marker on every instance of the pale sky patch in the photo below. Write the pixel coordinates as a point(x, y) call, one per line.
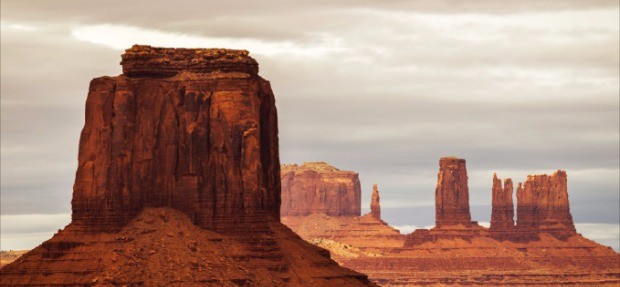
point(120, 37)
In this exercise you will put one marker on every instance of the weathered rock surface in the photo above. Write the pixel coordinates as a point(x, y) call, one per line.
point(452, 217)
point(147, 61)
point(178, 184)
point(502, 212)
point(452, 193)
point(163, 247)
point(317, 187)
point(542, 206)
point(375, 203)
point(203, 143)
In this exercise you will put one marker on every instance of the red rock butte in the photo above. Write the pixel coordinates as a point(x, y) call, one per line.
point(202, 140)
point(452, 193)
point(317, 187)
point(178, 184)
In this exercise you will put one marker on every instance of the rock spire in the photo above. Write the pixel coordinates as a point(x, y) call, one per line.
point(375, 202)
point(452, 193)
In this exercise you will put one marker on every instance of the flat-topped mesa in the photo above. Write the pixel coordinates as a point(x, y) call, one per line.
point(375, 203)
point(207, 147)
point(317, 187)
point(502, 216)
point(147, 61)
point(452, 193)
point(543, 206)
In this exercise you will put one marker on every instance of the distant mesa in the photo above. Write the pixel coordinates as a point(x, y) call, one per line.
point(317, 187)
point(540, 248)
point(178, 184)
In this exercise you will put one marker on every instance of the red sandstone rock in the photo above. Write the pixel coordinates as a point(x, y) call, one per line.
point(461, 255)
point(375, 203)
point(502, 215)
point(452, 193)
point(203, 143)
point(178, 184)
point(317, 187)
point(542, 206)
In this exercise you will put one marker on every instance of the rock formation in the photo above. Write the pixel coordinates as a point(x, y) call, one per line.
point(178, 184)
point(502, 212)
point(542, 206)
point(317, 187)
point(462, 255)
point(375, 203)
point(201, 140)
point(452, 193)
point(452, 217)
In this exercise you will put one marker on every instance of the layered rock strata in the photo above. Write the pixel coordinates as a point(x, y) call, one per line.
point(502, 210)
point(375, 203)
point(178, 184)
point(317, 187)
point(452, 193)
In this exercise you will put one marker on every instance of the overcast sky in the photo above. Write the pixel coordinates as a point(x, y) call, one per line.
point(384, 88)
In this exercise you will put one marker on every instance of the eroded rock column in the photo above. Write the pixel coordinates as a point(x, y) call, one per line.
point(502, 215)
point(452, 193)
point(375, 204)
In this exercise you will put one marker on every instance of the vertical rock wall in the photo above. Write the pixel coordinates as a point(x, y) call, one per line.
point(205, 144)
point(542, 206)
point(317, 187)
point(452, 193)
point(502, 214)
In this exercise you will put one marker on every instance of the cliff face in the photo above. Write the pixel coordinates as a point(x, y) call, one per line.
point(317, 187)
point(178, 184)
point(375, 203)
point(452, 193)
point(542, 206)
point(202, 143)
point(502, 212)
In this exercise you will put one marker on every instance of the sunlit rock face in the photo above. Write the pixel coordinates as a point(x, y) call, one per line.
point(317, 187)
point(193, 129)
point(452, 193)
point(542, 206)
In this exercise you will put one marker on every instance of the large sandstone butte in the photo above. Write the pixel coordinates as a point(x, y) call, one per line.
point(468, 254)
point(317, 187)
point(178, 184)
point(452, 193)
point(542, 206)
